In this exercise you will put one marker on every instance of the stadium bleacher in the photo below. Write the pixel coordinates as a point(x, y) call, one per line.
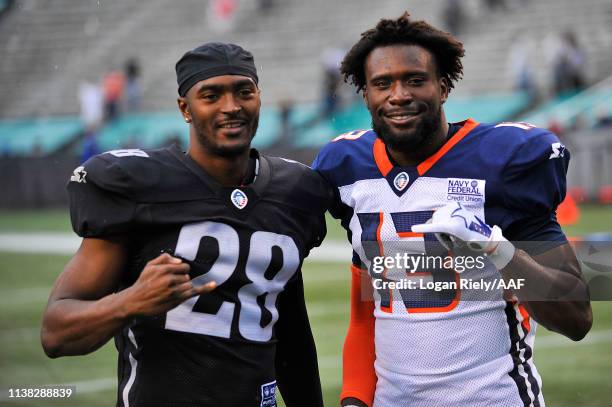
point(51, 45)
point(152, 130)
point(566, 108)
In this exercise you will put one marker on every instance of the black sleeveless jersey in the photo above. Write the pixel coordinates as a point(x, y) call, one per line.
point(217, 349)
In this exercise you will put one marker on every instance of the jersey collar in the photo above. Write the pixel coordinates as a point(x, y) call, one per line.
point(385, 165)
point(401, 178)
point(258, 177)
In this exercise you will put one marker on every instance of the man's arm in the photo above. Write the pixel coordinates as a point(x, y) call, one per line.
point(555, 293)
point(358, 376)
point(297, 371)
point(84, 311)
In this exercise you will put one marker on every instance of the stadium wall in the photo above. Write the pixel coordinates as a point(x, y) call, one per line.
point(37, 182)
point(40, 182)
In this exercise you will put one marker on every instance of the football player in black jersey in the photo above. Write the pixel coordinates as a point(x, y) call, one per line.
point(192, 261)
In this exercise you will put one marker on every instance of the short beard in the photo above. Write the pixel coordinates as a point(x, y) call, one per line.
point(414, 140)
point(223, 151)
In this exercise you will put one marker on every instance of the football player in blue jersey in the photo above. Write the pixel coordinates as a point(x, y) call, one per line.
point(416, 184)
point(191, 261)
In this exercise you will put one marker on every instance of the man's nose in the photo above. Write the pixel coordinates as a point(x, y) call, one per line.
point(230, 104)
point(400, 94)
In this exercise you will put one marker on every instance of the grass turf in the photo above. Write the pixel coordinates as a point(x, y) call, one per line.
point(573, 373)
point(593, 219)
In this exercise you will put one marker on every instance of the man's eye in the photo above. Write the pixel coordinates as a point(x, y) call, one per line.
point(382, 84)
point(209, 96)
point(246, 92)
point(416, 81)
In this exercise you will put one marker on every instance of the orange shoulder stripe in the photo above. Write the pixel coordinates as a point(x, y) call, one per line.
point(469, 125)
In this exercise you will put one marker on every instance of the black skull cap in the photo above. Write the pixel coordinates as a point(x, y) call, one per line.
point(213, 59)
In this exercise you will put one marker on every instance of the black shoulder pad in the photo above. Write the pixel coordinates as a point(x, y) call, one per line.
point(144, 175)
point(95, 210)
point(298, 185)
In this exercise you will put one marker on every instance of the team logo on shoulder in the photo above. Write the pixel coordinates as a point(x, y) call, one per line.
point(78, 175)
point(401, 181)
point(268, 394)
point(239, 199)
point(558, 150)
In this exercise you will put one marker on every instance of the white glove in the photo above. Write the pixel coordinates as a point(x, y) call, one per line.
point(455, 226)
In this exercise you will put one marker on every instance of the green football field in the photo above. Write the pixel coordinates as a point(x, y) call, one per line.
point(574, 374)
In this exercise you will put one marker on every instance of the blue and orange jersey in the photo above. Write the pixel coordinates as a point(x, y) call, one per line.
point(511, 175)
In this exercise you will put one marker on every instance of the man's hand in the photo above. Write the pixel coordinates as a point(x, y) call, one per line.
point(455, 226)
point(163, 284)
point(85, 310)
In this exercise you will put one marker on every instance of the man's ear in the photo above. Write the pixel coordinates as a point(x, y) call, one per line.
point(184, 108)
point(364, 94)
point(444, 89)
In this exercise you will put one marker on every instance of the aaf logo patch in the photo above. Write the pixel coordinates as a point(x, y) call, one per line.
point(78, 175)
point(401, 181)
point(558, 150)
point(239, 199)
point(268, 394)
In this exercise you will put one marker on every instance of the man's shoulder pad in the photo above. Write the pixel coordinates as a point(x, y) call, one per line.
point(518, 133)
point(299, 185)
point(136, 173)
point(347, 144)
point(511, 141)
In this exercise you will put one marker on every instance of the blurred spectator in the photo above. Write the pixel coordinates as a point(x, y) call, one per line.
point(131, 142)
point(174, 139)
point(555, 127)
point(603, 118)
point(569, 64)
point(132, 88)
point(453, 16)
point(285, 109)
point(113, 86)
point(520, 66)
point(89, 147)
point(37, 150)
point(494, 5)
point(91, 101)
point(579, 122)
point(265, 5)
point(221, 15)
point(5, 148)
point(330, 59)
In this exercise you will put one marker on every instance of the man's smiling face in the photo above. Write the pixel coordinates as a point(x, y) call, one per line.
point(404, 94)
